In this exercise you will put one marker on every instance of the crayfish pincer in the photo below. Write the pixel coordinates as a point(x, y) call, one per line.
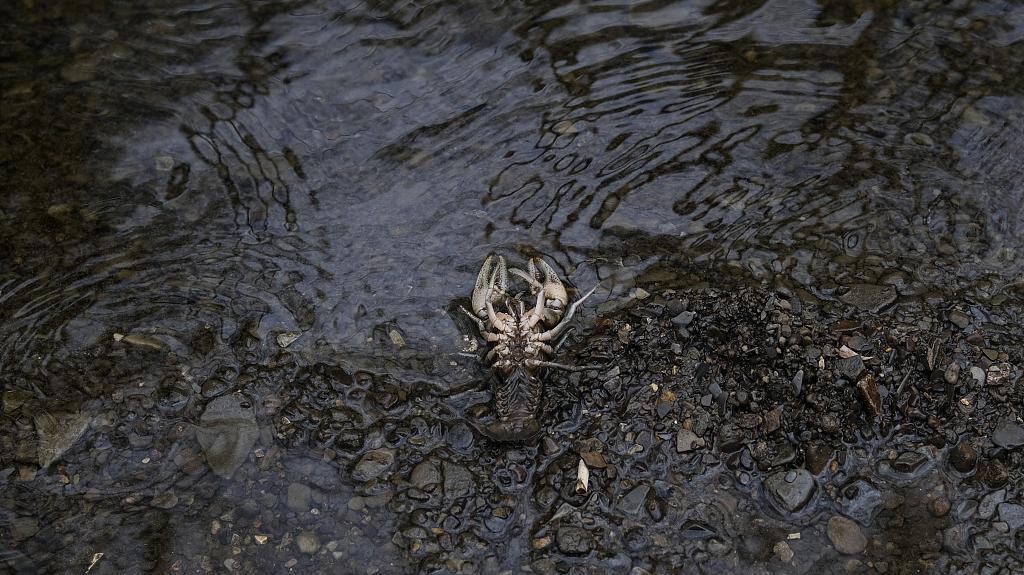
point(519, 337)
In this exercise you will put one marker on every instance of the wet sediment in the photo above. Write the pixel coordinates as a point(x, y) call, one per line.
point(729, 428)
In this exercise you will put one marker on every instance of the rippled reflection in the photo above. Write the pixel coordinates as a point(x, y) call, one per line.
point(295, 163)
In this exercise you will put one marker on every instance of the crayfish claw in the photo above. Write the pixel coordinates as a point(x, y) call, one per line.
point(491, 284)
point(554, 290)
point(543, 279)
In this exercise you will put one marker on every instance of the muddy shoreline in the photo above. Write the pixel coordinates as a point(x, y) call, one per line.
point(728, 428)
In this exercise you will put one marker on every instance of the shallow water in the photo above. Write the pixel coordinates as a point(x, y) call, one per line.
point(200, 174)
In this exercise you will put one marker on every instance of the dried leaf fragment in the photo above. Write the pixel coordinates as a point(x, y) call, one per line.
point(582, 478)
point(95, 559)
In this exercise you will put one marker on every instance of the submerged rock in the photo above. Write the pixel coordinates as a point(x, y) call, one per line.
point(307, 542)
point(1012, 514)
point(458, 481)
point(1008, 435)
point(14, 398)
point(574, 540)
point(373, 464)
point(23, 528)
point(909, 461)
point(964, 457)
point(165, 500)
point(687, 441)
point(632, 502)
point(818, 457)
point(299, 497)
point(869, 297)
point(227, 433)
point(846, 536)
point(425, 475)
point(791, 489)
point(959, 318)
point(57, 434)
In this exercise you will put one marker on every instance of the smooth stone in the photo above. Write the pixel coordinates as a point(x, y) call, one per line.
point(24, 527)
point(791, 489)
point(940, 506)
point(783, 551)
point(909, 462)
point(227, 433)
point(1008, 435)
point(425, 475)
point(307, 542)
point(846, 536)
point(165, 500)
point(458, 481)
point(632, 502)
point(57, 434)
point(1012, 514)
point(684, 319)
point(963, 457)
point(299, 497)
point(869, 297)
point(978, 374)
point(850, 367)
point(373, 464)
point(989, 503)
point(952, 373)
point(687, 441)
point(959, 318)
point(574, 540)
point(639, 293)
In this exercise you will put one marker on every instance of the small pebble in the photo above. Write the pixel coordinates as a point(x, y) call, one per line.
point(939, 506)
point(783, 551)
point(307, 542)
point(846, 536)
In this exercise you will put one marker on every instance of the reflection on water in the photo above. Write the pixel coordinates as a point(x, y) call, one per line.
point(206, 176)
point(292, 163)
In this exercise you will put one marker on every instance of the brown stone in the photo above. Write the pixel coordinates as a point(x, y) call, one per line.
point(846, 536)
point(992, 473)
point(963, 457)
point(869, 394)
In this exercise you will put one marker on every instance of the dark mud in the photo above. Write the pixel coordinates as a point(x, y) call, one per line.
point(730, 428)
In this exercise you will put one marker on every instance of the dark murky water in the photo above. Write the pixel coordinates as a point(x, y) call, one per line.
point(185, 184)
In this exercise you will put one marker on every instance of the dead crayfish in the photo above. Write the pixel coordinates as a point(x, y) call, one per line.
point(520, 336)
